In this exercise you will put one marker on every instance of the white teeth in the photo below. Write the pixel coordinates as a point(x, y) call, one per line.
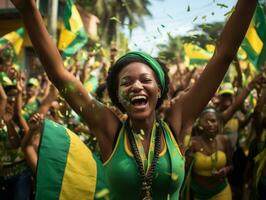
point(138, 97)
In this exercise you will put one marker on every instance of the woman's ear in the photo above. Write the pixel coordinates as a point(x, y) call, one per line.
point(159, 93)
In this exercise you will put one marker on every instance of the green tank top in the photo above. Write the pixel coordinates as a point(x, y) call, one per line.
point(123, 176)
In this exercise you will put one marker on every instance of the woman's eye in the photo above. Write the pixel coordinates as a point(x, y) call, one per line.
point(147, 80)
point(124, 83)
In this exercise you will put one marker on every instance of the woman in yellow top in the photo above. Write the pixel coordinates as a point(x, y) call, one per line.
point(212, 159)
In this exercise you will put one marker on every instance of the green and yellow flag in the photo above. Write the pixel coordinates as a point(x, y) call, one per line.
point(73, 35)
point(195, 55)
point(14, 40)
point(254, 42)
point(91, 83)
point(66, 168)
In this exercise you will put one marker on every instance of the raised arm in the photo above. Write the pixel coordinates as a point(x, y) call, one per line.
point(72, 90)
point(227, 45)
point(239, 100)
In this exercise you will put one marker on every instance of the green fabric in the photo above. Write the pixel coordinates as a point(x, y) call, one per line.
point(6, 81)
point(51, 161)
point(81, 37)
point(155, 66)
point(259, 21)
point(30, 108)
point(15, 41)
point(101, 187)
point(138, 138)
point(203, 193)
point(8, 155)
point(124, 179)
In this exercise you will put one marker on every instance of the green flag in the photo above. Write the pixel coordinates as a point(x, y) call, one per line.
point(66, 168)
point(255, 39)
point(11, 43)
point(195, 55)
point(73, 35)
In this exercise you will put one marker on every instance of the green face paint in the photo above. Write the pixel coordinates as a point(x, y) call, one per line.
point(123, 98)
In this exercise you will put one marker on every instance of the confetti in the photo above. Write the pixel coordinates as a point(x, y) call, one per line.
point(195, 18)
point(222, 5)
point(115, 19)
point(188, 8)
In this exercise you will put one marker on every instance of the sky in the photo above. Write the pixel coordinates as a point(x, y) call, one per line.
point(172, 16)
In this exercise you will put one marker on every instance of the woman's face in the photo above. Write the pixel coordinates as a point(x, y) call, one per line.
point(209, 123)
point(138, 90)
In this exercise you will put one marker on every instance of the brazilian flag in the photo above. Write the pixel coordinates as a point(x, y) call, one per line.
point(66, 168)
point(15, 40)
point(73, 35)
point(254, 42)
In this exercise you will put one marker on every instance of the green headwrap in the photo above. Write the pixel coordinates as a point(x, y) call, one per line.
point(155, 66)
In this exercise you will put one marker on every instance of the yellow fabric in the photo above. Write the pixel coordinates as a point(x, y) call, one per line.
point(66, 38)
point(226, 194)
point(16, 40)
point(203, 164)
point(187, 139)
point(232, 124)
point(195, 52)
point(254, 39)
point(75, 20)
point(260, 159)
point(131, 154)
point(83, 186)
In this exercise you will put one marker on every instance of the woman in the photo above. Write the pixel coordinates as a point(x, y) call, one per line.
point(139, 86)
point(212, 159)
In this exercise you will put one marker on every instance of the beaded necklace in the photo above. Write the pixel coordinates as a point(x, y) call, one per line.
point(146, 178)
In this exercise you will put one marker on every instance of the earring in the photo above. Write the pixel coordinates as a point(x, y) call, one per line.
point(200, 127)
point(159, 95)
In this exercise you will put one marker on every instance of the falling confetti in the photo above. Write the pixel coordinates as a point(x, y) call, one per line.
point(115, 19)
point(195, 18)
point(222, 5)
point(204, 17)
point(170, 16)
point(159, 31)
point(188, 8)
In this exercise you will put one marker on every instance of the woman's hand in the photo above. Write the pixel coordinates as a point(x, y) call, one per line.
point(36, 122)
point(8, 116)
point(222, 173)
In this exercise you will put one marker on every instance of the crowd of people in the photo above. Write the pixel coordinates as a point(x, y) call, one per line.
point(152, 134)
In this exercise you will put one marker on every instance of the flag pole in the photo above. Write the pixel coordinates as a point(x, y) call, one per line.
point(52, 18)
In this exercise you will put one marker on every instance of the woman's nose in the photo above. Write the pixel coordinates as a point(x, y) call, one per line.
point(137, 86)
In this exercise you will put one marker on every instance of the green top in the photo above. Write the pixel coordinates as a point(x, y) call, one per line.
point(30, 108)
point(123, 177)
point(7, 154)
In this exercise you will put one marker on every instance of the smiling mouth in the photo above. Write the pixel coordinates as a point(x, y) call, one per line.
point(139, 100)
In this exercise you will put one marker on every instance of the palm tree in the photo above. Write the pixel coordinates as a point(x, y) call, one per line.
point(172, 52)
point(114, 14)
